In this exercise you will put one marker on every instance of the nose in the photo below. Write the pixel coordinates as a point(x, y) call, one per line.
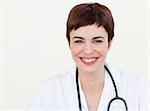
point(88, 48)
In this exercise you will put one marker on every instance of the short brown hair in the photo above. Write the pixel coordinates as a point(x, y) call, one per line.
point(88, 14)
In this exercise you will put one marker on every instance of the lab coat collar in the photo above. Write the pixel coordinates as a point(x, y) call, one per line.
point(69, 87)
point(116, 74)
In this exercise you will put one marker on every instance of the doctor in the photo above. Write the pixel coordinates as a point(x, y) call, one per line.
point(92, 85)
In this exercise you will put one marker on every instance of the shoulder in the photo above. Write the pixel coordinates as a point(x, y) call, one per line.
point(128, 80)
point(58, 79)
point(125, 76)
point(132, 78)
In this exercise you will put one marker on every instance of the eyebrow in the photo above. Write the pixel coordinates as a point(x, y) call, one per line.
point(98, 37)
point(77, 37)
point(92, 38)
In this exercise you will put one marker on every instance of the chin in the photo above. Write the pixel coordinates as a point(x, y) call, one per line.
point(87, 69)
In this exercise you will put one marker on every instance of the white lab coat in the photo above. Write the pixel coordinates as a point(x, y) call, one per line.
point(58, 93)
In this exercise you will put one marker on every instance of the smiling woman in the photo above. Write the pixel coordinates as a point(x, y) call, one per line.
point(92, 84)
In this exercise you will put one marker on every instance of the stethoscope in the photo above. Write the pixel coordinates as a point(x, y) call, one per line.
point(111, 101)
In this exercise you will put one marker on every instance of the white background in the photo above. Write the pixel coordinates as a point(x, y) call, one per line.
point(34, 45)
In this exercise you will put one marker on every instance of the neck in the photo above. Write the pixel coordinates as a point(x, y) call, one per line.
point(92, 82)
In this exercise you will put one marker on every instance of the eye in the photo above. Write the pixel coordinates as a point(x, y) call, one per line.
point(78, 41)
point(97, 41)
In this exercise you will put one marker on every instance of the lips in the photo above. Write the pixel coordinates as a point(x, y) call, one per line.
point(89, 60)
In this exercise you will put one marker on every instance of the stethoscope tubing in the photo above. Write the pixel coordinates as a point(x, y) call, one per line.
point(78, 90)
point(115, 88)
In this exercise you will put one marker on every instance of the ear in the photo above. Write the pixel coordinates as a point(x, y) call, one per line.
point(110, 44)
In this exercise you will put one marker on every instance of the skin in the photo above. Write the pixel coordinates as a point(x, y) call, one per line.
point(89, 47)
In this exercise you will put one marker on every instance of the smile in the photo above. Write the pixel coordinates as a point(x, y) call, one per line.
point(89, 60)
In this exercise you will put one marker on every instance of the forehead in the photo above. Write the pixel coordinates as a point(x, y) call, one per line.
point(89, 31)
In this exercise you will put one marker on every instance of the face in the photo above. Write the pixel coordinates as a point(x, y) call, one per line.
point(89, 47)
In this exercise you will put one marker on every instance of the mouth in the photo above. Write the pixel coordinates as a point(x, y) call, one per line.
point(88, 60)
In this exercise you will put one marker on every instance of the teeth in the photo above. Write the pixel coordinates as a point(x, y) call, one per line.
point(89, 60)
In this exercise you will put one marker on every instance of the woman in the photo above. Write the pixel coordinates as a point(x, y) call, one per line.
point(92, 85)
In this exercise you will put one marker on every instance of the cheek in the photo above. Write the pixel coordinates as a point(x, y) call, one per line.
point(75, 50)
point(102, 50)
